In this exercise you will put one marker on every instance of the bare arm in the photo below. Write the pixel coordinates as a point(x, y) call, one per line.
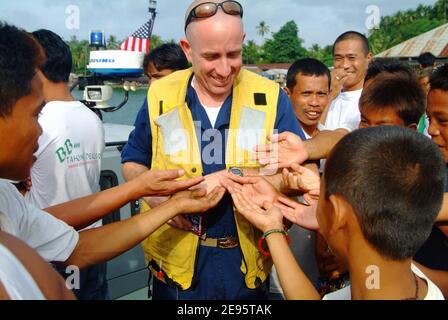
point(132, 170)
point(439, 277)
point(82, 212)
point(294, 282)
point(101, 244)
point(47, 279)
point(320, 146)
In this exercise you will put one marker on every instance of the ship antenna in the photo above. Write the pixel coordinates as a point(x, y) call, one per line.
point(152, 17)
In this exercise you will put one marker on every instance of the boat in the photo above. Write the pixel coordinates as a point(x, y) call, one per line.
point(116, 63)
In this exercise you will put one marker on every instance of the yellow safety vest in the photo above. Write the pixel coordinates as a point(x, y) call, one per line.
point(172, 252)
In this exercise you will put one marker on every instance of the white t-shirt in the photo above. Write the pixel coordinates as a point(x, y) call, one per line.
point(16, 279)
point(433, 293)
point(52, 238)
point(68, 162)
point(212, 113)
point(344, 111)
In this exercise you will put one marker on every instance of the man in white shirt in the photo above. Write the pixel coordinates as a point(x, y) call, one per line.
point(21, 101)
point(351, 58)
point(68, 164)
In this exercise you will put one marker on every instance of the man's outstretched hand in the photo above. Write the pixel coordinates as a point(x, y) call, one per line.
point(301, 214)
point(301, 178)
point(163, 183)
point(194, 202)
point(256, 188)
point(285, 149)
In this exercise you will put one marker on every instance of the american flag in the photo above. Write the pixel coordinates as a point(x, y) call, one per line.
point(140, 39)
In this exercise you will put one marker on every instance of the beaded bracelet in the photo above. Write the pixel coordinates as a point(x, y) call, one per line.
point(267, 233)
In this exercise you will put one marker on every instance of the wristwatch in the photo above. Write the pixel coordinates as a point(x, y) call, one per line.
point(236, 171)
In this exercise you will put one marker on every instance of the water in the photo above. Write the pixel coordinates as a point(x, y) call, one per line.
point(128, 113)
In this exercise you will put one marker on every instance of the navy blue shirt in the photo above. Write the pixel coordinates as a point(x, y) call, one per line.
point(217, 270)
point(219, 222)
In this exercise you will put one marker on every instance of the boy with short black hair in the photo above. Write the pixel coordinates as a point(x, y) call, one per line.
point(434, 253)
point(392, 99)
point(391, 67)
point(374, 220)
point(163, 61)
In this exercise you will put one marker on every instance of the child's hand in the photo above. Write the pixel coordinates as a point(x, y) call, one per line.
point(301, 214)
point(300, 178)
point(162, 183)
point(264, 219)
point(284, 149)
point(198, 201)
point(255, 188)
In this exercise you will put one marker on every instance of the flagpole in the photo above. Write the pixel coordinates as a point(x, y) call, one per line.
point(152, 17)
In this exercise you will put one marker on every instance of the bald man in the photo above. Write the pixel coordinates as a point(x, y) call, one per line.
point(206, 120)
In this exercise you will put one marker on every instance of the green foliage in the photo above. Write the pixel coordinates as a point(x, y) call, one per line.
point(285, 45)
point(156, 41)
point(405, 25)
point(251, 53)
point(112, 43)
point(80, 54)
point(263, 29)
point(324, 54)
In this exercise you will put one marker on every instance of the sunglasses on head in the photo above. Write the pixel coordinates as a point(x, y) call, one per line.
point(209, 9)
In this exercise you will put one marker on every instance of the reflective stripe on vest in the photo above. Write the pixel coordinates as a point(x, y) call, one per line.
point(254, 107)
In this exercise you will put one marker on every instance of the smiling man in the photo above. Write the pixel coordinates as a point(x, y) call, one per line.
point(21, 101)
point(198, 120)
point(351, 58)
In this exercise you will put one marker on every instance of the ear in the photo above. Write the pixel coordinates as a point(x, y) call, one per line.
point(341, 211)
point(287, 91)
point(244, 36)
point(369, 57)
point(186, 47)
point(413, 126)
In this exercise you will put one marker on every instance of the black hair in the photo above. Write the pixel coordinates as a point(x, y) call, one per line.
point(439, 78)
point(394, 179)
point(167, 56)
point(353, 35)
point(426, 60)
point(307, 67)
point(390, 66)
point(402, 94)
point(20, 56)
point(58, 63)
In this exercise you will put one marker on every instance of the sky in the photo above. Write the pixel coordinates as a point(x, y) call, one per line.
point(319, 21)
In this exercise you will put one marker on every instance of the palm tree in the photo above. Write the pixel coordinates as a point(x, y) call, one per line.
point(112, 42)
point(263, 29)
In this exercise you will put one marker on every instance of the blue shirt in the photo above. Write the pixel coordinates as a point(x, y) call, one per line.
point(219, 222)
point(217, 271)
